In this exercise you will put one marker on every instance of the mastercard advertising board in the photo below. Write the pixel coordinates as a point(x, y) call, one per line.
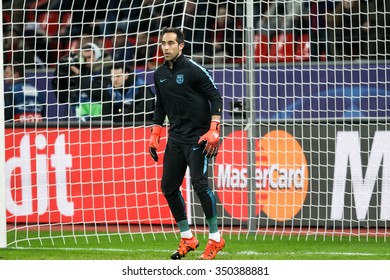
point(281, 175)
point(292, 174)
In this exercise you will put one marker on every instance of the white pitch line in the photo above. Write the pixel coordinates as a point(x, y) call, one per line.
point(248, 253)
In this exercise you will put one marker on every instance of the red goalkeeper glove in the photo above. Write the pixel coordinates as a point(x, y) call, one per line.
point(154, 142)
point(211, 140)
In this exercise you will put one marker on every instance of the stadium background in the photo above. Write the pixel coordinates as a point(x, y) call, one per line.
point(319, 110)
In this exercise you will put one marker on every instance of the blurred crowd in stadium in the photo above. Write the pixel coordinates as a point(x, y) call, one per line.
point(44, 31)
point(51, 34)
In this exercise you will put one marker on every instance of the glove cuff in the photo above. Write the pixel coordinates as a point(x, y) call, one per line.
point(156, 129)
point(214, 125)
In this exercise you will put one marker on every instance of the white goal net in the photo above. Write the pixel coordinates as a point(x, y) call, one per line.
point(304, 142)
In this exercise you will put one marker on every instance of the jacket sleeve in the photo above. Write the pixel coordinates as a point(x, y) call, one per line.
point(159, 110)
point(209, 89)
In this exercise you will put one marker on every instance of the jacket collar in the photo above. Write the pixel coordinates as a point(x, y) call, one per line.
point(176, 61)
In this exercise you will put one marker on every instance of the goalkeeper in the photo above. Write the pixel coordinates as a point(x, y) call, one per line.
point(187, 95)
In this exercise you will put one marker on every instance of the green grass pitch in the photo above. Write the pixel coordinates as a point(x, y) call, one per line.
point(159, 246)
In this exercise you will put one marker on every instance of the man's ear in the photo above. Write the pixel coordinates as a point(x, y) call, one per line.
point(181, 46)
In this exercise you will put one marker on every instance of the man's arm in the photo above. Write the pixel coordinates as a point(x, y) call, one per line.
point(206, 85)
point(158, 121)
point(159, 110)
point(210, 140)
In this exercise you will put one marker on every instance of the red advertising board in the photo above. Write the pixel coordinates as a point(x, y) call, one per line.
point(83, 175)
point(106, 175)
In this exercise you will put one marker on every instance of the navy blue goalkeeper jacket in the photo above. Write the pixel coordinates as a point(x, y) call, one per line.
point(187, 95)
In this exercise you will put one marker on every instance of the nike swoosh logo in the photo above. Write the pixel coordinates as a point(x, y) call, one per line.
point(195, 148)
point(162, 80)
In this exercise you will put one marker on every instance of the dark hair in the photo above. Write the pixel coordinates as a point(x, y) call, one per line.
point(122, 65)
point(177, 31)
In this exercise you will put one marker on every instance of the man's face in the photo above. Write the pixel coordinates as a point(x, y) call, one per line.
point(170, 47)
point(89, 57)
point(8, 77)
point(142, 39)
point(221, 16)
point(118, 78)
point(120, 40)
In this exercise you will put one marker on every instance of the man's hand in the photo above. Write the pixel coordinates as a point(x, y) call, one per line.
point(211, 140)
point(75, 70)
point(154, 142)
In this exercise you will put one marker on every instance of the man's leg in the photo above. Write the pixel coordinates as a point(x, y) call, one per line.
point(174, 169)
point(199, 178)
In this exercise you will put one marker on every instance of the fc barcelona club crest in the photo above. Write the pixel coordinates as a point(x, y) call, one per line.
point(180, 79)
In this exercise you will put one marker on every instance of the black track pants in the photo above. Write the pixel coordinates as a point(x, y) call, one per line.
point(176, 159)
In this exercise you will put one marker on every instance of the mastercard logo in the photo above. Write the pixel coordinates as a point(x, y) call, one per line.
point(284, 175)
point(281, 176)
point(230, 169)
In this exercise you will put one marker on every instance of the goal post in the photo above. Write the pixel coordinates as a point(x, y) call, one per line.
point(3, 221)
point(251, 119)
point(304, 131)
